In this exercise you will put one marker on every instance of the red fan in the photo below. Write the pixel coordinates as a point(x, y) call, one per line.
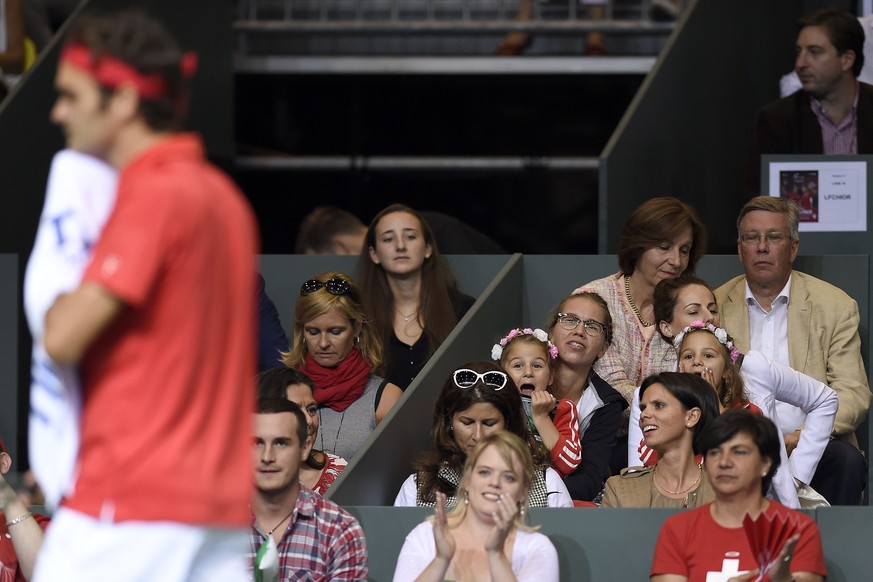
point(766, 535)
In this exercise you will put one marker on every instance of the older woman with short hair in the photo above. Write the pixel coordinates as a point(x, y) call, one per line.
point(662, 239)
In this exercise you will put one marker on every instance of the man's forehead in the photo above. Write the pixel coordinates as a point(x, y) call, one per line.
point(69, 77)
point(767, 217)
point(275, 425)
point(814, 36)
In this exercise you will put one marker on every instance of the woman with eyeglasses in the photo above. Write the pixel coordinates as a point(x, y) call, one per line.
point(476, 400)
point(581, 328)
point(662, 239)
point(485, 536)
point(333, 342)
point(409, 291)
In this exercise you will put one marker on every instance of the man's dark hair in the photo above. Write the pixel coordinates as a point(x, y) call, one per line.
point(761, 430)
point(145, 44)
point(280, 405)
point(321, 225)
point(273, 383)
point(843, 30)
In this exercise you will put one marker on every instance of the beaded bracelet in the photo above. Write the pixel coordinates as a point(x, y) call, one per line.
point(18, 519)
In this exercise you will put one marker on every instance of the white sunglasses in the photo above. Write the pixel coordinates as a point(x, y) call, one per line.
point(465, 378)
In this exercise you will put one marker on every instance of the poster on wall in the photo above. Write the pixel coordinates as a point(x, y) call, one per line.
point(832, 196)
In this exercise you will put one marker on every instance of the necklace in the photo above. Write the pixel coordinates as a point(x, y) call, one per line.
point(630, 299)
point(406, 317)
point(269, 533)
point(338, 430)
point(683, 491)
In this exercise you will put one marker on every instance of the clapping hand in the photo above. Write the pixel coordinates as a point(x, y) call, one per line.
point(504, 518)
point(442, 537)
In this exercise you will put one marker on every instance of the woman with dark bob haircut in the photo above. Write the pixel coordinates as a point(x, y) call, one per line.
point(675, 409)
point(662, 239)
point(741, 454)
point(477, 399)
point(409, 291)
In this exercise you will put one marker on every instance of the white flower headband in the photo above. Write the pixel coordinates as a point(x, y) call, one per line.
point(497, 350)
point(719, 332)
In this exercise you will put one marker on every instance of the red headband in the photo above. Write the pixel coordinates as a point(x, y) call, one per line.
point(111, 72)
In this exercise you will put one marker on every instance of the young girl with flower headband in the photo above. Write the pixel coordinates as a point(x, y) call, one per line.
point(526, 355)
point(681, 303)
point(710, 352)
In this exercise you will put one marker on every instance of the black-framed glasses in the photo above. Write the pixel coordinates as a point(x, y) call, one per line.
point(570, 322)
point(774, 238)
point(465, 378)
point(335, 286)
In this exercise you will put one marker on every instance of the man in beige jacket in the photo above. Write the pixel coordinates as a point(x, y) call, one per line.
point(803, 322)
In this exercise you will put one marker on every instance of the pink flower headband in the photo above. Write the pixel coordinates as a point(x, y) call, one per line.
point(497, 350)
point(719, 332)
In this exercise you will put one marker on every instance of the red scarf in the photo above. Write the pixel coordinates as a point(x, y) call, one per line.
point(338, 387)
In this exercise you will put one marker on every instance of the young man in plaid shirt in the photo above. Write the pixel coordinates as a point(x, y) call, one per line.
point(293, 529)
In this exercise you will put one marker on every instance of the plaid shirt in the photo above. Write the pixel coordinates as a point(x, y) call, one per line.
point(842, 138)
point(630, 358)
point(322, 542)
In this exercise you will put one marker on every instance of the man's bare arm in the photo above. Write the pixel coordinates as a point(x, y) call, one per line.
point(78, 318)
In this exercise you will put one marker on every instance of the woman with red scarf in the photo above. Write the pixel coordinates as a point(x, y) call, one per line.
point(336, 346)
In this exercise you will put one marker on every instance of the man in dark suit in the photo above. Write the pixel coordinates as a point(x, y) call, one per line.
point(833, 113)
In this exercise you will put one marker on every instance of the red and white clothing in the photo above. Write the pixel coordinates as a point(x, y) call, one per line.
point(168, 385)
point(693, 545)
point(567, 452)
point(333, 466)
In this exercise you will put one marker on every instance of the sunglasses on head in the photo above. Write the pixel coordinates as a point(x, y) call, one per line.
point(465, 378)
point(335, 286)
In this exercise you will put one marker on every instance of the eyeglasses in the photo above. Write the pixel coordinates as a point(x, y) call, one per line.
point(570, 322)
point(335, 286)
point(773, 238)
point(465, 378)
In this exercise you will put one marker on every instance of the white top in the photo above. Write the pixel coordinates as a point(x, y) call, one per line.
point(766, 382)
point(534, 557)
point(558, 494)
point(79, 197)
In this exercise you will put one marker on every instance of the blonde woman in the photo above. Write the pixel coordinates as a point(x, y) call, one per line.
point(488, 524)
point(334, 344)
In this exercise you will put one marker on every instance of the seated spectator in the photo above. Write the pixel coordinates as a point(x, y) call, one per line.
point(409, 291)
point(674, 410)
point(334, 343)
point(320, 469)
point(526, 355)
point(21, 531)
point(476, 400)
point(581, 329)
point(679, 303)
point(741, 455)
point(833, 113)
point(662, 239)
point(802, 322)
point(330, 231)
point(296, 534)
point(485, 537)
